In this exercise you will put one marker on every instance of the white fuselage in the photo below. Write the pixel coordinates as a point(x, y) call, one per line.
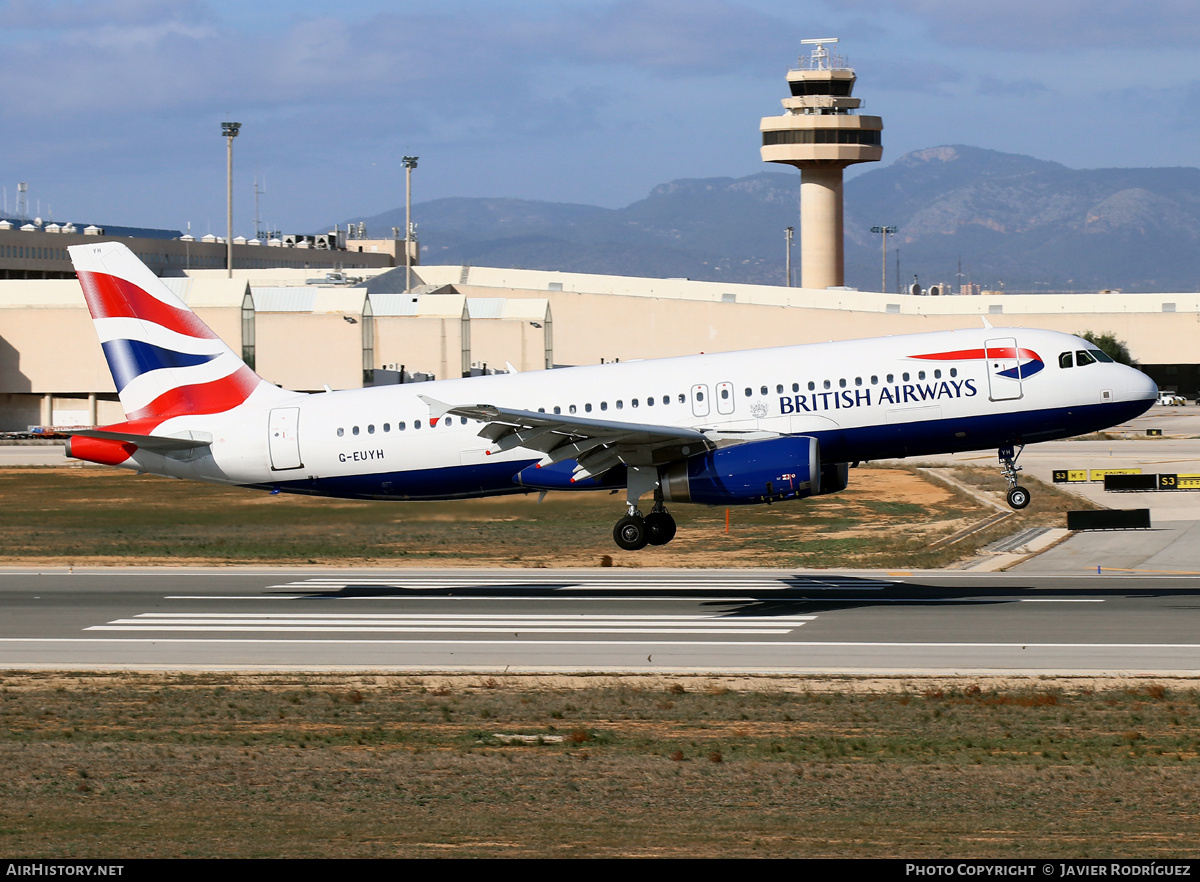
point(863, 399)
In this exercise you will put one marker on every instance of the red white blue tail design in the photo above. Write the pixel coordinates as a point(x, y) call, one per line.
point(164, 361)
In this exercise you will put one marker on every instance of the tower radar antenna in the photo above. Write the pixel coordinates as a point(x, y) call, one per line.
point(819, 59)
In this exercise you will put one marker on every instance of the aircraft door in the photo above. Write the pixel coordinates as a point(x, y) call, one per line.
point(700, 400)
point(1003, 360)
point(725, 398)
point(284, 438)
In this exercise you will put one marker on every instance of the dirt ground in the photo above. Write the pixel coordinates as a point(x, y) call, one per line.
point(83, 516)
point(355, 765)
point(454, 682)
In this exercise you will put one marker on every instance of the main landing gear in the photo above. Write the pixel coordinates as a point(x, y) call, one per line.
point(1018, 497)
point(635, 531)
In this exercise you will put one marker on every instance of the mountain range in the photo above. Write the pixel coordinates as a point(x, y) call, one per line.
point(1010, 222)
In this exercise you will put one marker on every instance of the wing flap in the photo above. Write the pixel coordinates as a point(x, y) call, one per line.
point(598, 445)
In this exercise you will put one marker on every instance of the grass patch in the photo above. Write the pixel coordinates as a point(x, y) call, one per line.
point(146, 765)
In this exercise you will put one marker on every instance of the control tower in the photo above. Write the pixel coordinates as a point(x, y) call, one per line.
point(820, 133)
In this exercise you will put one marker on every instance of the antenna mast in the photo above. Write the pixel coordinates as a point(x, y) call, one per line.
point(258, 230)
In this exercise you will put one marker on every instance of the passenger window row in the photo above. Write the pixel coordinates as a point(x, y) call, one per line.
point(400, 426)
point(619, 404)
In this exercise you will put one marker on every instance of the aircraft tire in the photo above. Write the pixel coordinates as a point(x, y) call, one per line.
point(660, 527)
point(1018, 497)
point(630, 533)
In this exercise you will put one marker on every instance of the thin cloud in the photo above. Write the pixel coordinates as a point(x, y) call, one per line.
point(72, 15)
point(989, 85)
point(132, 56)
point(910, 75)
point(1040, 26)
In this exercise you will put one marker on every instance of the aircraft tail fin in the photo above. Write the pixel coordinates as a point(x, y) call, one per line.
point(164, 360)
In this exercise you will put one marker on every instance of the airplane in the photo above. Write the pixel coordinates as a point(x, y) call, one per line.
point(734, 428)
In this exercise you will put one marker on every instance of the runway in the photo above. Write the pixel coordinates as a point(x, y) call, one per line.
point(601, 620)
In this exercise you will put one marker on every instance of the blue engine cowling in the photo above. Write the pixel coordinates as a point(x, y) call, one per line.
point(559, 476)
point(757, 471)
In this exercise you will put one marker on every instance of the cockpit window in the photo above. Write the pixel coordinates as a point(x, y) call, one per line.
point(1083, 357)
point(1065, 361)
point(1100, 355)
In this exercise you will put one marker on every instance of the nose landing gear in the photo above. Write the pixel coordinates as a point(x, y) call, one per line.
point(1018, 497)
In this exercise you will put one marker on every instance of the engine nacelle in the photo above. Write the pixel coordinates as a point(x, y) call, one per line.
point(559, 476)
point(757, 471)
point(834, 477)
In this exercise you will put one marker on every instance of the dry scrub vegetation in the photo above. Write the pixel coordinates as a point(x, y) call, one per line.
point(888, 517)
point(144, 765)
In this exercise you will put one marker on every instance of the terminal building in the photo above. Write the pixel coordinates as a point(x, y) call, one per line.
point(32, 250)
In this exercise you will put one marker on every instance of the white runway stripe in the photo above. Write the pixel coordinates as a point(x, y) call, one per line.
point(292, 629)
point(473, 623)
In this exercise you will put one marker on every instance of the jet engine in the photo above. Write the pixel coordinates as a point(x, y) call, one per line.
point(834, 477)
point(757, 471)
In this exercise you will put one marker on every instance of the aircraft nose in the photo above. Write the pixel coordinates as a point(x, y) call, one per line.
point(1141, 387)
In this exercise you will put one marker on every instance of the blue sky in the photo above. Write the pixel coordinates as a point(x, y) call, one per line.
point(111, 109)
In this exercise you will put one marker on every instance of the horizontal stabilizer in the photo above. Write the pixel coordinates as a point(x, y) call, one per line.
point(156, 443)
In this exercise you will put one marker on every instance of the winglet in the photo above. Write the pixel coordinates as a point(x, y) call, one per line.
point(986, 323)
point(437, 409)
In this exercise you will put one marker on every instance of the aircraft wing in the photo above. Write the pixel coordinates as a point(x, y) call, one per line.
point(596, 445)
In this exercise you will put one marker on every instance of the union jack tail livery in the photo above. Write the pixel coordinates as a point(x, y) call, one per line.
point(165, 362)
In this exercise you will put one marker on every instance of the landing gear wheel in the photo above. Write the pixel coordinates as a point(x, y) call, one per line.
point(631, 533)
point(660, 527)
point(1018, 497)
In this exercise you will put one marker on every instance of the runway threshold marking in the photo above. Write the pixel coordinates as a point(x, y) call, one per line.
point(479, 623)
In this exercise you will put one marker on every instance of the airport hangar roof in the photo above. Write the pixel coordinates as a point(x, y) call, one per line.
point(808, 298)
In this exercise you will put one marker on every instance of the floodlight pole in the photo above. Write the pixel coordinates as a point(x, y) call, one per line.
point(230, 131)
point(410, 162)
point(788, 236)
point(884, 231)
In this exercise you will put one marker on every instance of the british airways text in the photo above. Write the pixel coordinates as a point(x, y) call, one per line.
point(815, 402)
